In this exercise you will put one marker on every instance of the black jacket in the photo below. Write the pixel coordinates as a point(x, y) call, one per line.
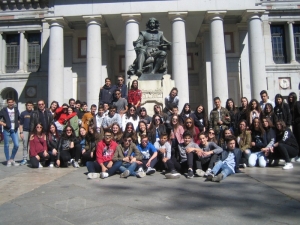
point(283, 112)
point(106, 94)
point(237, 157)
point(288, 138)
point(34, 119)
point(4, 115)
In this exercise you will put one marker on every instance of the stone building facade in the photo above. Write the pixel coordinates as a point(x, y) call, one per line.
point(58, 49)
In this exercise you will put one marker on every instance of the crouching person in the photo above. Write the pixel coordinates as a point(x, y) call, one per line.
point(126, 156)
point(38, 147)
point(228, 163)
point(103, 166)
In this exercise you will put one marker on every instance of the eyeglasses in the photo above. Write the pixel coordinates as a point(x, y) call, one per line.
point(128, 140)
point(211, 132)
point(132, 109)
point(143, 110)
point(112, 110)
point(41, 104)
point(107, 136)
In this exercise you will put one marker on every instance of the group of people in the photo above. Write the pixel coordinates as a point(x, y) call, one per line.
point(119, 136)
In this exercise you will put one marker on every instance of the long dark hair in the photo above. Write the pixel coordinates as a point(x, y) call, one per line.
point(260, 127)
point(192, 129)
point(128, 115)
point(49, 132)
point(294, 96)
point(183, 112)
point(276, 97)
point(134, 81)
point(227, 107)
point(34, 132)
point(283, 125)
point(203, 113)
point(64, 133)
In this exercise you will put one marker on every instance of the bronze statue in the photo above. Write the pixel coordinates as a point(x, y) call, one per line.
point(150, 48)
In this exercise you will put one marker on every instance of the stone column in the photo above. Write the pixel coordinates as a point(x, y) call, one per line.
point(93, 59)
point(132, 33)
point(22, 52)
point(1, 53)
point(292, 42)
point(256, 53)
point(56, 60)
point(179, 56)
point(218, 55)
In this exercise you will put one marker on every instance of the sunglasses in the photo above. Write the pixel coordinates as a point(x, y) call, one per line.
point(107, 136)
point(128, 140)
point(211, 132)
point(68, 130)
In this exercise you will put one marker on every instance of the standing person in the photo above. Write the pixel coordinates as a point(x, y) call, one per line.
point(219, 118)
point(201, 116)
point(38, 147)
point(144, 117)
point(127, 155)
point(42, 115)
point(253, 111)
point(82, 111)
point(268, 112)
point(172, 100)
point(52, 142)
point(111, 118)
point(120, 103)
point(53, 106)
point(232, 112)
point(103, 166)
point(73, 121)
point(282, 110)
point(286, 146)
point(208, 155)
point(135, 95)
point(98, 119)
point(121, 87)
point(157, 127)
point(88, 117)
point(228, 163)
point(189, 126)
point(24, 129)
point(295, 112)
point(130, 116)
point(72, 103)
point(176, 135)
point(242, 111)
point(106, 109)
point(106, 94)
point(265, 99)
point(259, 142)
point(10, 121)
point(68, 148)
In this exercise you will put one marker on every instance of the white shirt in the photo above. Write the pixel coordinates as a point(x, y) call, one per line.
point(11, 114)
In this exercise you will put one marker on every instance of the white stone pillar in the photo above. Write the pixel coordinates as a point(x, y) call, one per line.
point(56, 60)
point(292, 42)
point(93, 59)
point(132, 33)
point(256, 54)
point(218, 55)
point(1, 53)
point(22, 52)
point(179, 56)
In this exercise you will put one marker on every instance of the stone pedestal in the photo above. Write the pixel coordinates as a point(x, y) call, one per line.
point(154, 91)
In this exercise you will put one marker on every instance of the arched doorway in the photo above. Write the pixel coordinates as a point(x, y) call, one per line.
point(8, 92)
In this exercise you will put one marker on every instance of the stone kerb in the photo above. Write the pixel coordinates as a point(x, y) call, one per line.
point(154, 91)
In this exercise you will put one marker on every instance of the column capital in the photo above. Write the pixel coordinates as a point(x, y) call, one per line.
point(177, 15)
point(21, 31)
point(290, 22)
point(56, 21)
point(252, 14)
point(131, 17)
point(212, 15)
point(93, 20)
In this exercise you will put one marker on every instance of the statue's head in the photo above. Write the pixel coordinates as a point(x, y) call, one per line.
point(152, 24)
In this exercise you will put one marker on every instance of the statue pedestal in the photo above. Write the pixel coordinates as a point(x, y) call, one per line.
point(154, 87)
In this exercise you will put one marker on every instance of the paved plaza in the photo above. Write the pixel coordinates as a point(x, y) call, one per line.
point(65, 196)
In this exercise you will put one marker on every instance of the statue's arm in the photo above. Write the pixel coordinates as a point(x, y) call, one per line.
point(140, 41)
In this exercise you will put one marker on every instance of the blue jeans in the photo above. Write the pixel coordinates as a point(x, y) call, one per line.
point(94, 167)
point(15, 139)
point(225, 169)
point(128, 166)
point(260, 156)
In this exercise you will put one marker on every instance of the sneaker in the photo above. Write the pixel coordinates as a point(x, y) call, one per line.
point(125, 174)
point(140, 174)
point(208, 172)
point(200, 173)
point(140, 169)
point(150, 171)
point(8, 164)
point(51, 165)
point(93, 175)
point(23, 162)
point(172, 175)
point(75, 164)
point(70, 162)
point(217, 178)
point(288, 166)
point(210, 177)
point(40, 165)
point(190, 174)
point(103, 175)
point(14, 163)
point(244, 165)
point(297, 159)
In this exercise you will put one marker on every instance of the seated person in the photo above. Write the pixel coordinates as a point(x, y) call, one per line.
point(186, 152)
point(103, 166)
point(38, 147)
point(208, 156)
point(111, 118)
point(126, 156)
point(149, 153)
point(228, 163)
point(163, 148)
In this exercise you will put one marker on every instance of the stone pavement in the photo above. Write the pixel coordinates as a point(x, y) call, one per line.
point(65, 196)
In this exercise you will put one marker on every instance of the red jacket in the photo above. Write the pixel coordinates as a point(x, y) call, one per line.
point(63, 117)
point(105, 153)
point(37, 145)
point(134, 96)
